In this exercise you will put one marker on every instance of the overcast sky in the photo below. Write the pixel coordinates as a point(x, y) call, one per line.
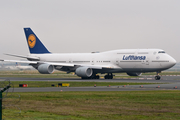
point(91, 25)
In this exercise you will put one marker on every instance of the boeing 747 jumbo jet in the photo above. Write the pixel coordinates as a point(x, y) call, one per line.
point(88, 65)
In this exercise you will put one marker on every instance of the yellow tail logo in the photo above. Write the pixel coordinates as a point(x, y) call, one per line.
point(31, 41)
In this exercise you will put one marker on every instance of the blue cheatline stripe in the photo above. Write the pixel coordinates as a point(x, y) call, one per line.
point(34, 44)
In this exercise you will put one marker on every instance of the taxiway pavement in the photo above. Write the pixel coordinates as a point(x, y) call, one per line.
point(167, 83)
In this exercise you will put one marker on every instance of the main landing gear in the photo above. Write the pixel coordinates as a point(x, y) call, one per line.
point(108, 76)
point(94, 76)
point(157, 77)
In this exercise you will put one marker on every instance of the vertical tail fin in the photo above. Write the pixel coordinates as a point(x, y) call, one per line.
point(35, 45)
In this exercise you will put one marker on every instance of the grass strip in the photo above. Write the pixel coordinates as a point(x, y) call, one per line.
point(131, 105)
point(72, 84)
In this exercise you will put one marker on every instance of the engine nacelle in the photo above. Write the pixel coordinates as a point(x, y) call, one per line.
point(84, 72)
point(46, 68)
point(134, 74)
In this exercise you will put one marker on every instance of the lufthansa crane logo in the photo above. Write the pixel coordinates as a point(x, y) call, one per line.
point(31, 41)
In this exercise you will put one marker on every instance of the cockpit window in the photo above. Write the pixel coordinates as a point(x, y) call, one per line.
point(161, 52)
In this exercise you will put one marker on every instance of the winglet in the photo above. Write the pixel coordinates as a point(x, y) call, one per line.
point(35, 45)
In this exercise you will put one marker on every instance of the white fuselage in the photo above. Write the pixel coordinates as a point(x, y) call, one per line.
point(125, 60)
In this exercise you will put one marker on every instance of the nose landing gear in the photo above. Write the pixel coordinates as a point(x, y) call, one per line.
point(157, 77)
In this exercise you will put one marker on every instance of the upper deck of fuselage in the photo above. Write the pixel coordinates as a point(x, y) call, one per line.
point(112, 52)
point(119, 51)
point(133, 51)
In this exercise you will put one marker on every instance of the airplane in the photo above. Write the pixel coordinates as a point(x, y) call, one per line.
point(8, 67)
point(15, 67)
point(24, 67)
point(89, 65)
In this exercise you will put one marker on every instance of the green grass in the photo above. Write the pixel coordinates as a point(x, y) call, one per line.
point(72, 84)
point(124, 105)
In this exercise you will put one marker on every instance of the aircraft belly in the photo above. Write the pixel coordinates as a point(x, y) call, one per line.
point(107, 70)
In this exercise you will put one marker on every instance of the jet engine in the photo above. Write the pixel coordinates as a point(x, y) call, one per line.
point(45, 68)
point(84, 72)
point(134, 74)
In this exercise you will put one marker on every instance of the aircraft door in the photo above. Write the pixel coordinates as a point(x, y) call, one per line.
point(92, 61)
point(147, 61)
point(70, 60)
point(117, 61)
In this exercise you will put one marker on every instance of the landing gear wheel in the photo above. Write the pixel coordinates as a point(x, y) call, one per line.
point(108, 76)
point(97, 77)
point(157, 77)
point(94, 76)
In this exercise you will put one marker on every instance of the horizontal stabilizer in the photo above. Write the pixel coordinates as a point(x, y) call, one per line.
point(18, 61)
point(27, 57)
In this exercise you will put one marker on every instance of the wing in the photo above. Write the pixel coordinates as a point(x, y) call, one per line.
point(35, 60)
point(79, 65)
point(60, 64)
point(39, 62)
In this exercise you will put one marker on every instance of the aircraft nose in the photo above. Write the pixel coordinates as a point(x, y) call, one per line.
point(172, 61)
